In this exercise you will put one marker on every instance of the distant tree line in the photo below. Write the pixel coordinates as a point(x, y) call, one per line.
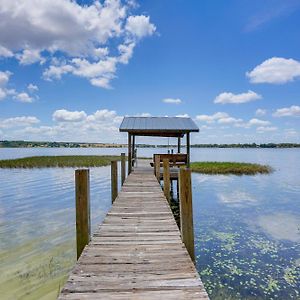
point(33, 144)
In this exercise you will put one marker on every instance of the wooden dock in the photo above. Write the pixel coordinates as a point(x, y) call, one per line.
point(137, 252)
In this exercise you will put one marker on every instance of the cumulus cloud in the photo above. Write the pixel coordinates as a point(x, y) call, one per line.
point(212, 118)
point(292, 111)
point(102, 125)
point(71, 38)
point(140, 26)
point(18, 121)
point(172, 100)
point(275, 70)
point(226, 97)
point(260, 112)
point(23, 97)
point(266, 128)
point(4, 79)
point(63, 115)
point(6, 92)
point(258, 122)
point(32, 88)
point(5, 52)
point(229, 120)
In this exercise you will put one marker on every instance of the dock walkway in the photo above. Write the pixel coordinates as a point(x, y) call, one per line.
point(137, 252)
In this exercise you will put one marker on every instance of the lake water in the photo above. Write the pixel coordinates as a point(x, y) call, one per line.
point(247, 228)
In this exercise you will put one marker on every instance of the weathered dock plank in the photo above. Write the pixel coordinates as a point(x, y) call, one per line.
point(137, 253)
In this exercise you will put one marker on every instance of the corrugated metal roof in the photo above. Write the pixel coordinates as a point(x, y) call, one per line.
point(158, 124)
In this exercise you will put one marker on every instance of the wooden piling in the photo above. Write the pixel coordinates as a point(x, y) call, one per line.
point(114, 180)
point(82, 192)
point(157, 167)
point(123, 168)
point(166, 176)
point(186, 210)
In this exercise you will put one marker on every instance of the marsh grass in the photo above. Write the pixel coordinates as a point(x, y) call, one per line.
point(58, 161)
point(227, 168)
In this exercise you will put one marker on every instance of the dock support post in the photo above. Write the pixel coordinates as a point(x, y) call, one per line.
point(188, 147)
point(114, 180)
point(82, 192)
point(129, 154)
point(157, 167)
point(166, 176)
point(123, 168)
point(186, 211)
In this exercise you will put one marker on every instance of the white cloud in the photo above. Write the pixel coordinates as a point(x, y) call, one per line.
point(275, 70)
point(266, 128)
point(126, 52)
point(172, 100)
point(23, 97)
point(140, 26)
point(260, 112)
point(74, 38)
point(4, 78)
point(292, 111)
point(100, 126)
point(212, 118)
point(30, 56)
point(32, 88)
point(63, 115)
point(258, 122)
point(229, 120)
point(226, 97)
point(18, 121)
point(4, 91)
point(5, 52)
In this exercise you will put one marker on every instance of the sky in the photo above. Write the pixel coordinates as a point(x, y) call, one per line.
point(71, 70)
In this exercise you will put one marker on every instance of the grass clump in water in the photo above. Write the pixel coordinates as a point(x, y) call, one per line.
point(59, 161)
point(227, 168)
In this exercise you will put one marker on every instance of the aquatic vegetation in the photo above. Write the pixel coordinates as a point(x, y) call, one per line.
point(236, 168)
point(59, 161)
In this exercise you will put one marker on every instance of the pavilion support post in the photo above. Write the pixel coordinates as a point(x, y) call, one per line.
point(178, 146)
point(166, 176)
point(133, 150)
point(123, 168)
point(188, 150)
point(83, 222)
point(129, 154)
point(186, 211)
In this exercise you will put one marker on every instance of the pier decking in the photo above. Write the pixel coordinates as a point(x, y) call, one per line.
point(137, 252)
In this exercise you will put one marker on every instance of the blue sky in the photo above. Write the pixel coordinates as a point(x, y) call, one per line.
point(69, 71)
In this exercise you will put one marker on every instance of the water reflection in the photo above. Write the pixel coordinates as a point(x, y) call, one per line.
point(246, 227)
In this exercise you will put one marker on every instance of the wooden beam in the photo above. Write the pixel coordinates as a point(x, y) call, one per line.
point(186, 210)
point(166, 176)
point(129, 153)
point(114, 180)
point(188, 149)
point(123, 168)
point(83, 222)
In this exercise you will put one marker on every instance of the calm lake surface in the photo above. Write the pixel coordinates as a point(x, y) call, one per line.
point(247, 228)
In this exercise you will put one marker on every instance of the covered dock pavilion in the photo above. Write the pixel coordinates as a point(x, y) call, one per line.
point(176, 127)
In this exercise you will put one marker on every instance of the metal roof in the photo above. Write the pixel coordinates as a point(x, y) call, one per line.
point(158, 125)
